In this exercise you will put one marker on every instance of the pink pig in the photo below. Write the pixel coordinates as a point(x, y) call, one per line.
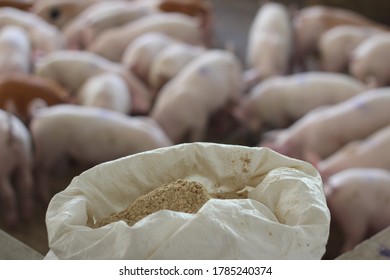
point(359, 201)
point(43, 36)
point(277, 102)
point(337, 44)
point(15, 50)
point(113, 42)
point(101, 16)
point(89, 135)
point(170, 61)
point(372, 151)
point(106, 90)
point(140, 53)
point(325, 130)
point(269, 43)
point(369, 61)
point(311, 22)
point(16, 183)
point(71, 68)
point(206, 84)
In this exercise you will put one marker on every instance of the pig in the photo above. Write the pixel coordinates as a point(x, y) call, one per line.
point(311, 22)
point(326, 129)
point(88, 135)
point(21, 5)
point(22, 94)
point(44, 37)
point(369, 61)
point(337, 44)
point(372, 151)
point(277, 102)
point(170, 61)
point(106, 90)
point(71, 68)
point(269, 43)
point(15, 50)
point(112, 43)
point(203, 9)
point(60, 12)
point(141, 52)
point(359, 202)
point(101, 16)
point(206, 84)
point(16, 185)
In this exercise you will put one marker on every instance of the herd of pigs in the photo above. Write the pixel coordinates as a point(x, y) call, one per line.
point(97, 80)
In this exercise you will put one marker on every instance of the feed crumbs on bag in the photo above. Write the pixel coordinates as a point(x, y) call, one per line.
point(181, 196)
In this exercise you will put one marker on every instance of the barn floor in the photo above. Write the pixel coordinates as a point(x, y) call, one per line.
point(232, 22)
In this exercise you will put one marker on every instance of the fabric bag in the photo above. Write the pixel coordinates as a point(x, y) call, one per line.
point(284, 217)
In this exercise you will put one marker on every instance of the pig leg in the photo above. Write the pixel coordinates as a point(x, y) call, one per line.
point(198, 130)
point(43, 165)
point(8, 200)
point(140, 94)
point(354, 232)
point(24, 183)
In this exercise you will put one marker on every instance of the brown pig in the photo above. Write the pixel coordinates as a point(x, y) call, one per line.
point(22, 94)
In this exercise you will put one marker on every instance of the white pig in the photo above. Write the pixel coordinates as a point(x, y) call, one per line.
point(16, 183)
point(370, 61)
point(206, 84)
point(277, 102)
point(60, 12)
point(325, 130)
point(140, 53)
point(311, 22)
point(359, 202)
point(106, 90)
point(101, 16)
point(170, 61)
point(270, 41)
point(113, 42)
point(88, 135)
point(15, 50)
point(372, 151)
point(337, 44)
point(43, 36)
point(71, 68)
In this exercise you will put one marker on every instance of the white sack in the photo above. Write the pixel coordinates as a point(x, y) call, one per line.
point(286, 216)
